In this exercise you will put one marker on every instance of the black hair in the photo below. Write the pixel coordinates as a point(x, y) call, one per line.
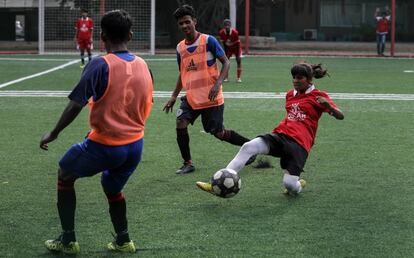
point(116, 26)
point(226, 21)
point(183, 11)
point(83, 10)
point(308, 70)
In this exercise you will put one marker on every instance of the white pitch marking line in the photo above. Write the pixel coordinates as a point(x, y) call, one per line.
point(408, 71)
point(230, 95)
point(39, 74)
point(32, 59)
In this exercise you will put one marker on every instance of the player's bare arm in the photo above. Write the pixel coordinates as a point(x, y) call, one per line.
point(335, 112)
point(71, 111)
point(168, 107)
point(223, 73)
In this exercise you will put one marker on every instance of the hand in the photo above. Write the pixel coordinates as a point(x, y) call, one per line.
point(46, 138)
point(377, 10)
point(168, 107)
point(212, 95)
point(323, 102)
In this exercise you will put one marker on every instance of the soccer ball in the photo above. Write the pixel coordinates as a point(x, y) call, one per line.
point(226, 183)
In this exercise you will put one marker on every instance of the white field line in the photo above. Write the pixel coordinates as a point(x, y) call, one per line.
point(230, 95)
point(63, 59)
point(39, 74)
point(33, 59)
point(53, 69)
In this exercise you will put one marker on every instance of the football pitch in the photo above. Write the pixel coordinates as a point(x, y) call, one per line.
point(359, 200)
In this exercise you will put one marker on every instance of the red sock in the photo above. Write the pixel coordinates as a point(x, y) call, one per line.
point(239, 70)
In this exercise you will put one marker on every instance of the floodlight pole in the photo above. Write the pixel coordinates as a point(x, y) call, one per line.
point(246, 26)
point(392, 27)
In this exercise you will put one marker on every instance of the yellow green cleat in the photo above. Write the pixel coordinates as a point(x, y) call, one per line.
point(57, 246)
point(207, 187)
point(128, 247)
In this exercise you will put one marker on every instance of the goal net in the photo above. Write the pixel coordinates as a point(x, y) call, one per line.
point(59, 18)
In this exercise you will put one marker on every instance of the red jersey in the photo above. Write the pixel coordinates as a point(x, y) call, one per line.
point(230, 40)
point(302, 116)
point(84, 28)
point(382, 25)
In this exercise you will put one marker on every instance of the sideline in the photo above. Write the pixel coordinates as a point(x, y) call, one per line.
point(230, 95)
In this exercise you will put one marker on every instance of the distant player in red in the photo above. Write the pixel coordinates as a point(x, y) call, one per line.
point(382, 20)
point(232, 46)
point(294, 137)
point(84, 35)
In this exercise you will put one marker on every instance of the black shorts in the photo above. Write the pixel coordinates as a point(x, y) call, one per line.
point(212, 117)
point(292, 155)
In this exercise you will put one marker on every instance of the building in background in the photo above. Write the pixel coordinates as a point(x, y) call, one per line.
point(282, 20)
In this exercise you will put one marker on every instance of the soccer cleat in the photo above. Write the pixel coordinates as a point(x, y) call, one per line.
point(185, 169)
point(205, 187)
point(226, 80)
point(302, 184)
point(82, 66)
point(127, 247)
point(251, 160)
point(239, 80)
point(57, 246)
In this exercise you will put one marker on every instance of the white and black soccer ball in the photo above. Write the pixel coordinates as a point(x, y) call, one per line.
point(226, 183)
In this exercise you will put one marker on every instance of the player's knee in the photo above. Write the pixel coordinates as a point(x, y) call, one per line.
point(291, 182)
point(114, 197)
point(249, 148)
point(220, 135)
point(66, 175)
point(181, 123)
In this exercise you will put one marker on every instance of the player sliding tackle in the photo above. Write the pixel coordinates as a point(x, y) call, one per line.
point(293, 138)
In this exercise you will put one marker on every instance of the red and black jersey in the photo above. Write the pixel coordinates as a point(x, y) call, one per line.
point(84, 28)
point(302, 116)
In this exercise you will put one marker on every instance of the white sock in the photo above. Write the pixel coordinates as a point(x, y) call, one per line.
point(291, 183)
point(253, 147)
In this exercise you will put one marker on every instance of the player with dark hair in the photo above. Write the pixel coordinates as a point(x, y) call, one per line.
point(84, 36)
point(201, 79)
point(232, 46)
point(294, 137)
point(118, 88)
